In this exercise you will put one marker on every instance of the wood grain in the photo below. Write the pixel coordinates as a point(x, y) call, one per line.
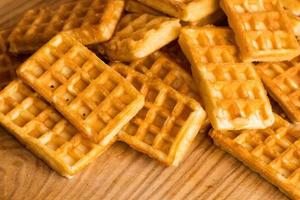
point(122, 173)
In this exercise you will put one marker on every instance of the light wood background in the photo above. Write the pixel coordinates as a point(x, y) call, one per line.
point(122, 173)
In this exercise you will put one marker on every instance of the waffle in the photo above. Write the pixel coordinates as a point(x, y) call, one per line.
point(159, 65)
point(273, 153)
point(90, 21)
point(92, 96)
point(208, 44)
point(141, 35)
point(282, 80)
point(134, 6)
point(168, 122)
point(186, 10)
point(262, 30)
point(44, 131)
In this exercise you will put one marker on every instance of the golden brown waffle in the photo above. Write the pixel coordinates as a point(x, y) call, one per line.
point(232, 93)
point(282, 80)
point(159, 65)
point(273, 153)
point(134, 6)
point(208, 44)
point(90, 21)
point(262, 30)
point(92, 96)
point(44, 131)
point(186, 10)
point(234, 96)
point(141, 35)
point(166, 125)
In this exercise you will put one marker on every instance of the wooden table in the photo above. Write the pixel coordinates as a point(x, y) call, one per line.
point(122, 173)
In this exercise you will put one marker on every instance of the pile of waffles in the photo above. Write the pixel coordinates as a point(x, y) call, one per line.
point(79, 76)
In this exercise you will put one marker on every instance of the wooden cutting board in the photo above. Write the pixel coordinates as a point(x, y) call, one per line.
point(121, 172)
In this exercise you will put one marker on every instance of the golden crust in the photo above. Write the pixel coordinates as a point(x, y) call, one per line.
point(92, 96)
point(167, 124)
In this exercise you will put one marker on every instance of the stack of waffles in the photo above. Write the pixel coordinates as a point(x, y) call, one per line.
point(154, 74)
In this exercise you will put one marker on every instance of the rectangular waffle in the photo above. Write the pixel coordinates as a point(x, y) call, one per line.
point(159, 65)
point(140, 35)
point(234, 96)
point(44, 131)
point(134, 6)
point(262, 30)
point(232, 92)
point(274, 153)
point(208, 44)
point(168, 122)
point(282, 80)
point(186, 10)
point(92, 96)
point(90, 21)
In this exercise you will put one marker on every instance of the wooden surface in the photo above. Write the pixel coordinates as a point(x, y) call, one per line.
point(122, 173)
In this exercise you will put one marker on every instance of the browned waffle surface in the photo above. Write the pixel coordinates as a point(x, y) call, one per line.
point(90, 21)
point(208, 44)
point(262, 30)
point(166, 125)
point(282, 81)
point(44, 131)
point(272, 152)
point(136, 7)
point(140, 35)
point(186, 10)
point(95, 98)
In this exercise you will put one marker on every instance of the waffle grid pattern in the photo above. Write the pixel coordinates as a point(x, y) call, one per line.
point(283, 81)
point(166, 124)
point(44, 131)
point(140, 35)
point(236, 97)
point(273, 152)
point(208, 44)
point(95, 98)
point(90, 21)
point(262, 30)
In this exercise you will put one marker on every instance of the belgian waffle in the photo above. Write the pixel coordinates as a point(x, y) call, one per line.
point(273, 153)
point(186, 10)
point(141, 35)
point(168, 122)
point(208, 44)
point(262, 30)
point(90, 21)
point(134, 6)
point(92, 96)
point(44, 131)
point(282, 81)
